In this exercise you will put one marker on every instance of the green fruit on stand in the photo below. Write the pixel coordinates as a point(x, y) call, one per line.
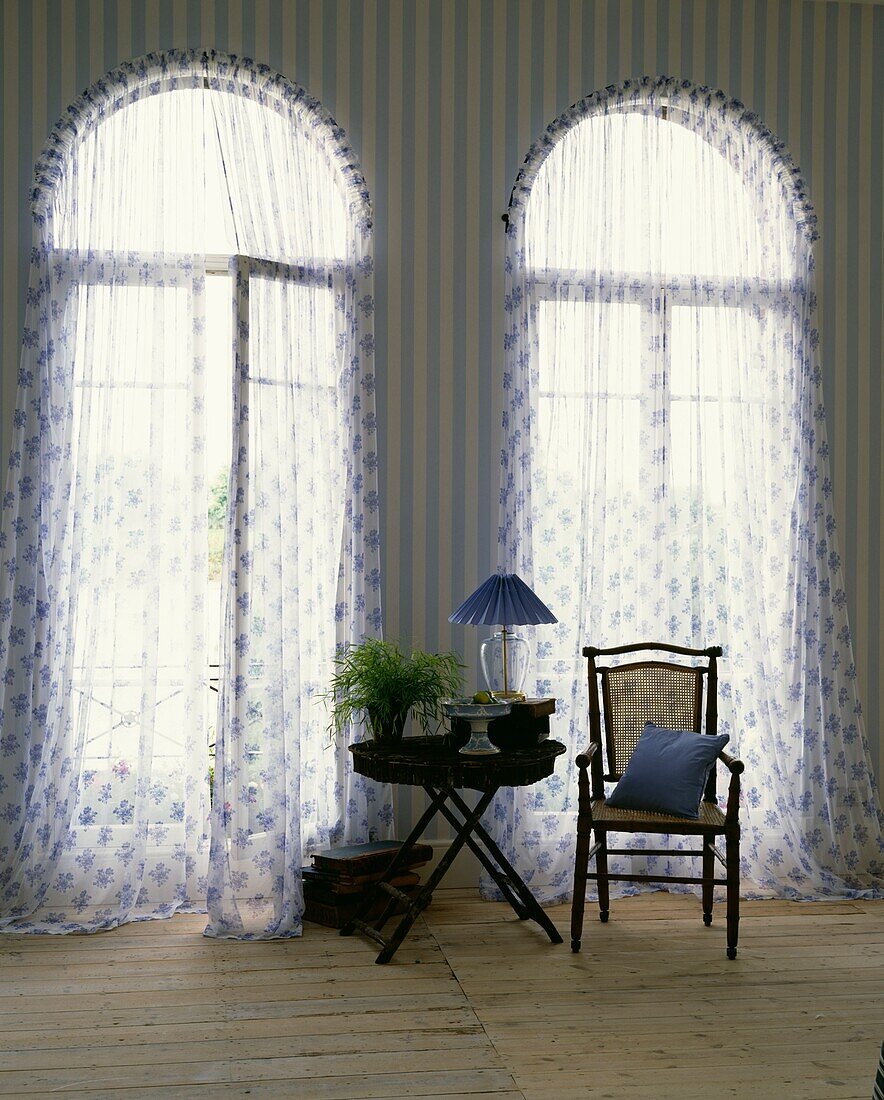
point(483, 698)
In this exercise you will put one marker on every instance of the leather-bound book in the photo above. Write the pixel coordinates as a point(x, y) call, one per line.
point(355, 860)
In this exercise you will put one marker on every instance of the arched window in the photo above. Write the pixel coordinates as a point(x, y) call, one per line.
point(664, 469)
point(192, 502)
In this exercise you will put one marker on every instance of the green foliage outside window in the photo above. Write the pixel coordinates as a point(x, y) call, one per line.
point(217, 522)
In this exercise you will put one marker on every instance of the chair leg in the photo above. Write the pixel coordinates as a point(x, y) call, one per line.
point(578, 901)
point(708, 876)
point(601, 866)
point(732, 854)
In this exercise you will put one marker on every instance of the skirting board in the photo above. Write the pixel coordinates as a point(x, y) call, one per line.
point(463, 874)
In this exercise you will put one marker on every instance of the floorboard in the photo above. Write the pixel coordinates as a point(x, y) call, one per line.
point(475, 1003)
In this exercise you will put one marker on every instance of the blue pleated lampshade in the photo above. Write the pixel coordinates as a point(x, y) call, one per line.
point(505, 599)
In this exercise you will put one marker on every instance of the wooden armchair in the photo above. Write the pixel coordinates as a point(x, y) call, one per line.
point(669, 694)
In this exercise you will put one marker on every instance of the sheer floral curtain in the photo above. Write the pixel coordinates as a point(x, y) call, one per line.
point(665, 465)
point(281, 788)
point(166, 165)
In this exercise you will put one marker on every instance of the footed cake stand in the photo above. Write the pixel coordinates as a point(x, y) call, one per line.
point(478, 715)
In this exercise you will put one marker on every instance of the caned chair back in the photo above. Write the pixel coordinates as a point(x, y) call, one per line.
point(666, 694)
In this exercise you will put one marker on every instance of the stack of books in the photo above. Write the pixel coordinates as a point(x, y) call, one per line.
point(336, 886)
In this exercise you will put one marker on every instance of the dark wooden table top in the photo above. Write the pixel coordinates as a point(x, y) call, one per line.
point(432, 761)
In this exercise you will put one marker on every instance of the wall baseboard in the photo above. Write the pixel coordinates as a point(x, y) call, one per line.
point(463, 874)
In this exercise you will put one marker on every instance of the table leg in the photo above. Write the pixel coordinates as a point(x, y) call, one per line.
point(399, 860)
point(529, 902)
point(499, 877)
point(422, 900)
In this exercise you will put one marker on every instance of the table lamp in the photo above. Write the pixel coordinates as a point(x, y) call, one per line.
point(504, 599)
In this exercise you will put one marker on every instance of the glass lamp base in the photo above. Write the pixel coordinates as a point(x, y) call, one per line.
point(504, 658)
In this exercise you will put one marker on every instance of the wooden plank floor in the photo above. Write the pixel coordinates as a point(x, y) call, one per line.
point(474, 1003)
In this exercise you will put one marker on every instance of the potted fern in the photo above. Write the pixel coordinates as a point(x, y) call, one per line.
point(377, 680)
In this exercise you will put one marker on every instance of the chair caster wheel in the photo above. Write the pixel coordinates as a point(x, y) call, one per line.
point(603, 916)
point(707, 919)
point(575, 945)
point(732, 952)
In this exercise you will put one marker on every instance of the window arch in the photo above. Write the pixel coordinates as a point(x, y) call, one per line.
point(664, 465)
point(181, 180)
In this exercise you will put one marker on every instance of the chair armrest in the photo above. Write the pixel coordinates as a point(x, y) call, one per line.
point(584, 797)
point(735, 766)
point(736, 769)
point(582, 761)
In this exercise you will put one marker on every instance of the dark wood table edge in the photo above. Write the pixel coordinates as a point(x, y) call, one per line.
point(507, 768)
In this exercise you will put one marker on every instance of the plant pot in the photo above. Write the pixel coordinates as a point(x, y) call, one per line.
point(457, 733)
point(387, 732)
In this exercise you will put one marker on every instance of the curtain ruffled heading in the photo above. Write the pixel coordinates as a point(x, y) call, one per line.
point(174, 70)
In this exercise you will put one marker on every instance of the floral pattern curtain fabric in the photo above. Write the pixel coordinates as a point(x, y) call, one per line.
point(104, 792)
point(280, 787)
point(665, 467)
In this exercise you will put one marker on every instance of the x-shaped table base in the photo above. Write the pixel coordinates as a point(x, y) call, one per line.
point(468, 831)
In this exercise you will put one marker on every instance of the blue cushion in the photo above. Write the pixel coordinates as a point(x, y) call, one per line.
point(667, 771)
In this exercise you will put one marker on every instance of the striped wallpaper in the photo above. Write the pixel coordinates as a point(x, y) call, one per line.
point(441, 100)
